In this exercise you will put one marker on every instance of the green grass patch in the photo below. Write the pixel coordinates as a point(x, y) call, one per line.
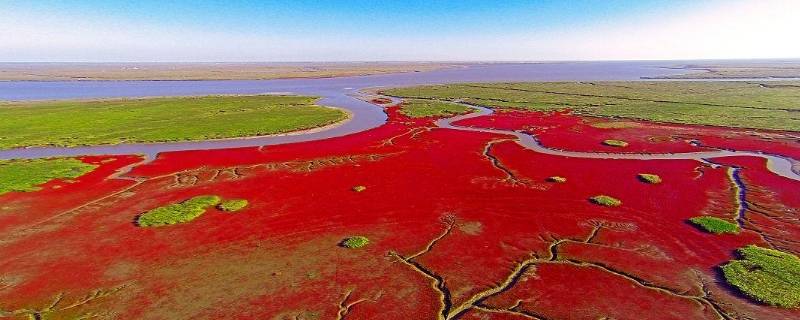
point(649, 178)
point(718, 103)
point(103, 122)
point(605, 200)
point(766, 275)
point(359, 188)
point(615, 143)
point(557, 179)
point(715, 225)
point(27, 175)
point(232, 205)
point(419, 108)
point(354, 242)
point(177, 213)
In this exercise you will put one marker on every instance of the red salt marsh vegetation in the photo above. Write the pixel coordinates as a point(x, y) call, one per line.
point(460, 225)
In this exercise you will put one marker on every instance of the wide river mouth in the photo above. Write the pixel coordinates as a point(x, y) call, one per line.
point(340, 92)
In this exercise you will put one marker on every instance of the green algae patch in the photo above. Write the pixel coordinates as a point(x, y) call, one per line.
point(605, 200)
point(27, 175)
point(557, 179)
point(649, 178)
point(715, 225)
point(232, 205)
point(177, 213)
point(615, 143)
point(354, 242)
point(766, 275)
point(359, 188)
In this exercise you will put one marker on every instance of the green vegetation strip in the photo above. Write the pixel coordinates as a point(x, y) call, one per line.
point(605, 200)
point(102, 122)
point(418, 108)
point(27, 175)
point(233, 205)
point(769, 276)
point(177, 213)
point(729, 104)
point(715, 225)
point(354, 242)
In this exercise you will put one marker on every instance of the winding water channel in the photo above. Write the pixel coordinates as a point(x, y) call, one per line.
point(776, 164)
point(343, 93)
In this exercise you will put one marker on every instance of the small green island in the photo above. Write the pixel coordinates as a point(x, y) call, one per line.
point(354, 242)
point(715, 225)
point(766, 275)
point(606, 201)
point(177, 213)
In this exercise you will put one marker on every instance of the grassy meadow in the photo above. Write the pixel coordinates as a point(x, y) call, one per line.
point(730, 104)
point(419, 108)
point(104, 122)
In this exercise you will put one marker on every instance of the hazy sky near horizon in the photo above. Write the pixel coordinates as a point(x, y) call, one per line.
point(300, 30)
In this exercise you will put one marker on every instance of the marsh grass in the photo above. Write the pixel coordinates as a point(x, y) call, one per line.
point(649, 178)
point(718, 103)
point(557, 179)
point(232, 205)
point(102, 122)
point(615, 143)
point(354, 242)
point(766, 275)
point(605, 200)
point(418, 108)
point(177, 213)
point(27, 175)
point(715, 225)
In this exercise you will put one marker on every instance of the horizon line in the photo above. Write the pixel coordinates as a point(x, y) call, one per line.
point(400, 61)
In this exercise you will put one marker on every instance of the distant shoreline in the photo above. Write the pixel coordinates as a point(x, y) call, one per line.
point(776, 70)
point(78, 72)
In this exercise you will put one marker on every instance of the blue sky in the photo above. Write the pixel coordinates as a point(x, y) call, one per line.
point(320, 30)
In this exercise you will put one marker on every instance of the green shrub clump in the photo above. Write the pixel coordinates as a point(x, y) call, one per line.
point(615, 143)
point(354, 242)
point(767, 275)
point(649, 178)
point(27, 175)
point(232, 205)
point(715, 225)
point(605, 200)
point(359, 188)
point(557, 179)
point(177, 213)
